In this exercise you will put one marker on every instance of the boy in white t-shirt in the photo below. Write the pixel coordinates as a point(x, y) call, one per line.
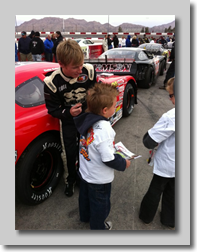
point(97, 158)
point(162, 134)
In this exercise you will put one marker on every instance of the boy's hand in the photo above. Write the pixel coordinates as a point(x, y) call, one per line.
point(128, 162)
point(76, 109)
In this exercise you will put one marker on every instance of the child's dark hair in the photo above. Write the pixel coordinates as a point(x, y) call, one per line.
point(100, 96)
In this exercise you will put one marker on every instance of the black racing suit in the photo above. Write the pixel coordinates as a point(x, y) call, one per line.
point(60, 94)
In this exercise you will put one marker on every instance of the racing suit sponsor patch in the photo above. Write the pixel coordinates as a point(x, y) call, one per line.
point(82, 78)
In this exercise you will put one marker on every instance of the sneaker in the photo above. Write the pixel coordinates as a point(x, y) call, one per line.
point(108, 225)
point(69, 190)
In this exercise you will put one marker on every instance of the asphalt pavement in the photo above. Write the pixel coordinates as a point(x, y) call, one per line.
point(128, 188)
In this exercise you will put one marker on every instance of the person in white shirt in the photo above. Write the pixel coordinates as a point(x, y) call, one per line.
point(123, 44)
point(162, 134)
point(105, 45)
point(97, 157)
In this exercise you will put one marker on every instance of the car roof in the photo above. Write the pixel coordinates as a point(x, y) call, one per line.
point(29, 65)
point(27, 70)
point(126, 49)
point(152, 44)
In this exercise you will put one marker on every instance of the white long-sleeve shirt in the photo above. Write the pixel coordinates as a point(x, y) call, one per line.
point(163, 132)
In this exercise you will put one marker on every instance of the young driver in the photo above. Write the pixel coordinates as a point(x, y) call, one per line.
point(65, 97)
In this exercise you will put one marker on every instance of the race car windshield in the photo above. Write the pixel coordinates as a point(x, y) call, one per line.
point(149, 47)
point(86, 42)
point(118, 54)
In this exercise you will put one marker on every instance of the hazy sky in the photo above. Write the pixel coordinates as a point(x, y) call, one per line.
point(115, 20)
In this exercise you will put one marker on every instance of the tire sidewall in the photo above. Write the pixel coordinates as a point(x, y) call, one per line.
point(148, 78)
point(128, 110)
point(25, 192)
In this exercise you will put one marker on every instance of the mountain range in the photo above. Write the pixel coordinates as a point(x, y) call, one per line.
point(51, 24)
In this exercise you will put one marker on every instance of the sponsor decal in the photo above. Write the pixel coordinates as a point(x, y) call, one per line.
point(52, 145)
point(113, 67)
point(82, 78)
point(42, 196)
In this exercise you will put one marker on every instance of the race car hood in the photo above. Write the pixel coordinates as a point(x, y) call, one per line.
point(85, 120)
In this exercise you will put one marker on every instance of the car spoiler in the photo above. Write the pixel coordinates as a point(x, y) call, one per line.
point(116, 66)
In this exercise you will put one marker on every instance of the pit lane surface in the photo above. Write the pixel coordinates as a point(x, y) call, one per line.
point(128, 188)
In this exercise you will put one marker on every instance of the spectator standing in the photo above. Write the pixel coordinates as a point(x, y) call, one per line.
point(145, 39)
point(167, 39)
point(53, 38)
point(140, 41)
point(48, 46)
point(134, 42)
point(24, 47)
point(162, 41)
point(162, 134)
point(171, 70)
point(105, 45)
point(37, 47)
point(58, 40)
point(32, 34)
point(115, 41)
point(128, 41)
point(152, 41)
point(109, 42)
point(123, 41)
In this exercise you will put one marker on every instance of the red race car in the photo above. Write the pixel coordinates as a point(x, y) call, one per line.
point(38, 150)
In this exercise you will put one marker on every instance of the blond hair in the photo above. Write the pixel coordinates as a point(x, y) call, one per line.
point(169, 86)
point(100, 96)
point(69, 51)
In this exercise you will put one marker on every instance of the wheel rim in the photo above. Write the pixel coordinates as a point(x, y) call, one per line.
point(42, 170)
point(130, 100)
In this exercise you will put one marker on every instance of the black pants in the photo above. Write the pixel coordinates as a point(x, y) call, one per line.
point(170, 72)
point(48, 57)
point(70, 136)
point(159, 186)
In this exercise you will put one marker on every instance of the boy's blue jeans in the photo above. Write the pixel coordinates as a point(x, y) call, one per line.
point(94, 203)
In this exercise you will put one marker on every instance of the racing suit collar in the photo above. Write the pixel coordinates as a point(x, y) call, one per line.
point(69, 80)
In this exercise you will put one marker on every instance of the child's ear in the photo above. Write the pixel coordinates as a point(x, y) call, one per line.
point(104, 110)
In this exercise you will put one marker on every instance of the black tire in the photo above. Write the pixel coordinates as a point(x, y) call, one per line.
point(39, 170)
point(148, 78)
point(128, 100)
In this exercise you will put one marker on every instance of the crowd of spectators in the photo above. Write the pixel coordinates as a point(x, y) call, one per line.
point(33, 48)
point(135, 41)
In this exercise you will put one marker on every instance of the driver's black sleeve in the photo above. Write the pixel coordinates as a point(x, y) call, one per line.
point(55, 106)
point(149, 142)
